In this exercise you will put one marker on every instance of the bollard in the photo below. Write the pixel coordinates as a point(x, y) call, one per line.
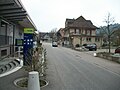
point(94, 54)
point(33, 81)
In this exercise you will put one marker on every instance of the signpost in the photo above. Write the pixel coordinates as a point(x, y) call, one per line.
point(28, 45)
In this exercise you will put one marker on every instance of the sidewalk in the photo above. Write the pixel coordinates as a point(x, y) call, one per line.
point(100, 50)
point(14, 72)
point(7, 82)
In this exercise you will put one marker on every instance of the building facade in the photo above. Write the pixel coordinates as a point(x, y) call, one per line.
point(80, 31)
point(13, 20)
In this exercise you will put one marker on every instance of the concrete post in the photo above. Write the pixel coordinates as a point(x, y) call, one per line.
point(13, 46)
point(94, 54)
point(0, 25)
point(33, 81)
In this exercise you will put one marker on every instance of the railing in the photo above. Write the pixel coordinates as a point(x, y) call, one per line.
point(5, 40)
point(74, 34)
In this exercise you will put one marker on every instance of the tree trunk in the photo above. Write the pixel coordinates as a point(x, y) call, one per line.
point(109, 38)
point(109, 43)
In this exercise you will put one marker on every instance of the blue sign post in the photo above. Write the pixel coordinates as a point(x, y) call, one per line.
point(28, 45)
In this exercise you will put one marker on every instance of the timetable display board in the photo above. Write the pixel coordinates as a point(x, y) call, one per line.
point(28, 44)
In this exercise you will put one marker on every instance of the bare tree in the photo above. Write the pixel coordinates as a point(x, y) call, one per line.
point(109, 21)
point(53, 33)
point(54, 30)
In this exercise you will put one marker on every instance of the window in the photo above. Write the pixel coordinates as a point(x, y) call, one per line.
point(71, 30)
point(88, 32)
point(3, 52)
point(88, 39)
point(77, 31)
point(97, 39)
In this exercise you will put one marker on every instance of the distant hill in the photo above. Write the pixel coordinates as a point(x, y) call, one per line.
point(103, 30)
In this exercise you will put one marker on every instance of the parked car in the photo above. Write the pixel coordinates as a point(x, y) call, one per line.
point(117, 50)
point(54, 44)
point(91, 47)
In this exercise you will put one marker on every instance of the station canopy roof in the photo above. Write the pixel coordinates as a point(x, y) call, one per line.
point(14, 11)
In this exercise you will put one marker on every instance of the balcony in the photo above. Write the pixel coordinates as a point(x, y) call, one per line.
point(75, 34)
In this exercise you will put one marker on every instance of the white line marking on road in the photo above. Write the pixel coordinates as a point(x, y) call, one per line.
point(13, 70)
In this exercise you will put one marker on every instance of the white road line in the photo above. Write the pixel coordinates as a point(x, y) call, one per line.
point(13, 70)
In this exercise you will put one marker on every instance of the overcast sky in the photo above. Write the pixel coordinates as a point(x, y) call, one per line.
point(50, 14)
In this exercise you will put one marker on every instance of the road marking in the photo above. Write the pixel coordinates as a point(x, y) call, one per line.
point(13, 70)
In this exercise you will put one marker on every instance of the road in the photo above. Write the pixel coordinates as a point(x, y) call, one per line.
point(7, 82)
point(73, 70)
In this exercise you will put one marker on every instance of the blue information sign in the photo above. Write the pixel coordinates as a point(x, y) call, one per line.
point(28, 46)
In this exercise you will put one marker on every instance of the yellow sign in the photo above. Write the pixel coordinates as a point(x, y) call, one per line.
point(29, 30)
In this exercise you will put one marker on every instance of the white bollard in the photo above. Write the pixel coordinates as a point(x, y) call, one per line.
point(33, 81)
point(94, 54)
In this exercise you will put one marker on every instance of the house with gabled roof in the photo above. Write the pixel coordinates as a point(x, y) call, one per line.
point(45, 36)
point(80, 31)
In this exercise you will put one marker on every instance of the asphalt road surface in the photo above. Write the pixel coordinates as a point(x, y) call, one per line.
point(7, 82)
point(72, 70)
